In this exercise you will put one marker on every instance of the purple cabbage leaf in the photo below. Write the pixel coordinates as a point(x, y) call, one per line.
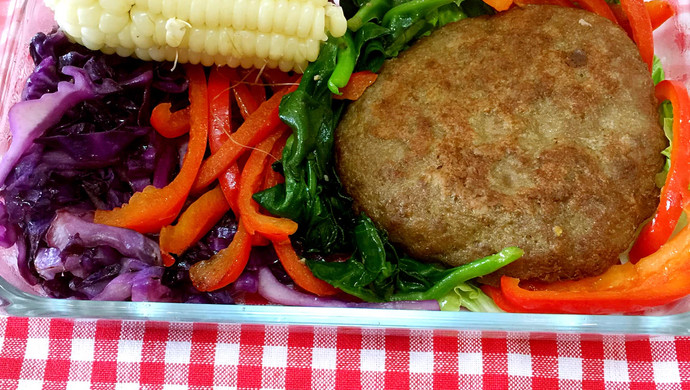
point(31, 118)
point(68, 229)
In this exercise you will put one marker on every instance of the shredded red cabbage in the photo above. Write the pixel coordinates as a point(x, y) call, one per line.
point(68, 230)
point(31, 118)
point(82, 141)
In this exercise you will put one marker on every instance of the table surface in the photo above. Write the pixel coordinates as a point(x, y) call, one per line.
point(58, 353)
point(50, 353)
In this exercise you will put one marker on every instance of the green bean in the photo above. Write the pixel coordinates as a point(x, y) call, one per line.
point(412, 10)
point(344, 65)
point(375, 9)
point(464, 273)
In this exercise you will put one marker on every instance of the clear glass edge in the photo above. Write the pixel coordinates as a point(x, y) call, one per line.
point(14, 302)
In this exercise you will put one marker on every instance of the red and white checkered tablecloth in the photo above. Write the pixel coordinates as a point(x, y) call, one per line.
point(38, 353)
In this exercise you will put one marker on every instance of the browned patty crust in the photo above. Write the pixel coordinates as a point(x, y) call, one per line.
point(534, 128)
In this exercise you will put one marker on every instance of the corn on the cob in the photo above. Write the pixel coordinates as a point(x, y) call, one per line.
point(283, 34)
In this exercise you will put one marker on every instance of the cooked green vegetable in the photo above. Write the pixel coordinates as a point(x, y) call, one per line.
point(463, 273)
point(657, 71)
point(312, 195)
point(666, 119)
point(374, 9)
point(345, 63)
point(470, 297)
point(376, 273)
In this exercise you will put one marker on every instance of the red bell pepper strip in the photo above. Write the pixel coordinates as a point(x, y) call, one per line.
point(170, 124)
point(259, 240)
point(659, 12)
point(641, 27)
point(219, 107)
point(499, 5)
point(271, 177)
point(257, 127)
point(495, 294)
point(622, 19)
point(246, 101)
point(298, 270)
point(225, 266)
point(220, 128)
point(279, 79)
point(250, 183)
point(194, 222)
point(148, 211)
point(167, 258)
point(252, 80)
point(599, 7)
point(594, 302)
point(562, 3)
point(675, 190)
point(357, 84)
point(230, 185)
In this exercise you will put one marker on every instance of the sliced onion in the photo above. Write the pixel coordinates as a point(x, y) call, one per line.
point(276, 292)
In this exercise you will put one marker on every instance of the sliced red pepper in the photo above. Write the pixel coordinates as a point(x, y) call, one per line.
point(499, 5)
point(246, 101)
point(641, 27)
point(148, 211)
point(358, 83)
point(495, 294)
point(599, 7)
point(250, 183)
point(299, 272)
point(219, 107)
point(259, 240)
point(194, 222)
point(277, 79)
point(252, 79)
point(562, 3)
point(170, 124)
point(622, 19)
point(657, 232)
point(659, 12)
point(168, 259)
point(219, 81)
point(597, 302)
point(230, 185)
point(225, 266)
point(271, 177)
point(657, 279)
point(256, 128)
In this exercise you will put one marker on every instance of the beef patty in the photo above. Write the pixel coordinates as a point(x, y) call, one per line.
point(536, 128)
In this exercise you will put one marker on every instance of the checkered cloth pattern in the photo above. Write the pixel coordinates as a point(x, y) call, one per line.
point(40, 353)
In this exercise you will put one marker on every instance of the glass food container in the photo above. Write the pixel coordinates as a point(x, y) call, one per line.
point(27, 17)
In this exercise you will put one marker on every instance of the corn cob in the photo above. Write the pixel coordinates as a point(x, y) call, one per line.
point(284, 34)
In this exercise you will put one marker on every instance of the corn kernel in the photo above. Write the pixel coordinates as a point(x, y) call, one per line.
point(283, 34)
